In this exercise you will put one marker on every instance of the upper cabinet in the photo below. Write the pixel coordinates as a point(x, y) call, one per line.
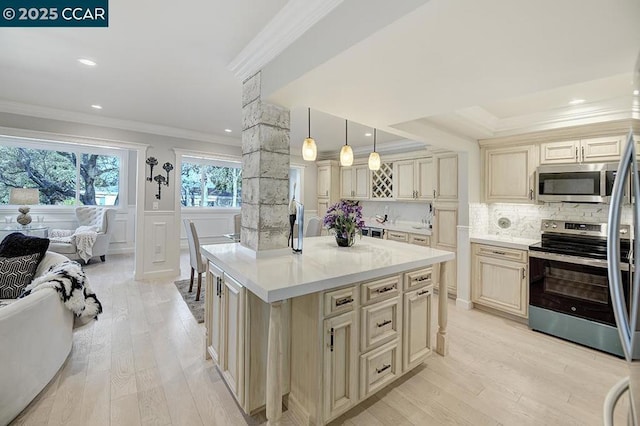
point(328, 184)
point(413, 179)
point(603, 149)
point(446, 177)
point(509, 174)
point(354, 182)
point(382, 182)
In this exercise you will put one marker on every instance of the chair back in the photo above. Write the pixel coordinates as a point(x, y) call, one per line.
point(314, 227)
point(98, 217)
point(194, 246)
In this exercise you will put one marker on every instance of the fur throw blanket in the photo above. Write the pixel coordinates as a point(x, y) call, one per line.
point(69, 280)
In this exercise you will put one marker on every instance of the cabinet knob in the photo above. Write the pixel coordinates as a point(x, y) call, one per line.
point(531, 194)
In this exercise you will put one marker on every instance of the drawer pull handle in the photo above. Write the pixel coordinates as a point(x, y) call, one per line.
point(383, 368)
point(344, 301)
point(423, 278)
point(423, 292)
point(502, 253)
point(383, 323)
point(386, 289)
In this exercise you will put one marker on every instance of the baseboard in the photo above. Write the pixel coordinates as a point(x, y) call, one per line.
point(464, 304)
point(499, 313)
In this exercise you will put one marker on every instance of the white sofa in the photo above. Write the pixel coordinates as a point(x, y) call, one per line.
point(36, 335)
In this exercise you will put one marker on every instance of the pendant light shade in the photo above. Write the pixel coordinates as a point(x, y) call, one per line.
point(309, 149)
point(346, 153)
point(374, 157)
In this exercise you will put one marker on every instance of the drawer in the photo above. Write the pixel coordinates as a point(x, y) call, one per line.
point(380, 289)
point(380, 323)
point(418, 278)
point(378, 368)
point(419, 240)
point(501, 253)
point(397, 236)
point(341, 300)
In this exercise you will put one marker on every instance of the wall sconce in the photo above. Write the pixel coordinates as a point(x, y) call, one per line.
point(160, 180)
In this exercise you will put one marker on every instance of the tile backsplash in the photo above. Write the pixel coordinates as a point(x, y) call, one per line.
point(525, 218)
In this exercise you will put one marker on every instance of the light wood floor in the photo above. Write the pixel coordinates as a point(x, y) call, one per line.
point(142, 363)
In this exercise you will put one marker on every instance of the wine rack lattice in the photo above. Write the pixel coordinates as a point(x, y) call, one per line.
point(382, 181)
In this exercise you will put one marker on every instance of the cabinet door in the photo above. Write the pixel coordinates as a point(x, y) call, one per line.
point(212, 316)
point(424, 179)
point(560, 152)
point(232, 348)
point(346, 182)
point(361, 182)
point(509, 174)
point(446, 166)
point(445, 237)
point(500, 284)
point(601, 149)
point(324, 181)
point(323, 206)
point(417, 327)
point(340, 364)
point(403, 180)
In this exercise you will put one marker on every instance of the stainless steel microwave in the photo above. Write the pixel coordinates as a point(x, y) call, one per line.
point(575, 183)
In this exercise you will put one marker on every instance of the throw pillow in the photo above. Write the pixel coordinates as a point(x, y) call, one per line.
point(17, 244)
point(16, 273)
point(81, 229)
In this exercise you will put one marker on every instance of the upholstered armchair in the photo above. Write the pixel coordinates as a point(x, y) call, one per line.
point(90, 239)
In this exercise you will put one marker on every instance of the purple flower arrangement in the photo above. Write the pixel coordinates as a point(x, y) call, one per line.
point(345, 218)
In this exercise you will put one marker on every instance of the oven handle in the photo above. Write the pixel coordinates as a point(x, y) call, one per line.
point(596, 263)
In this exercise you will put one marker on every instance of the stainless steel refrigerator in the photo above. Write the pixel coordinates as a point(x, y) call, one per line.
point(626, 311)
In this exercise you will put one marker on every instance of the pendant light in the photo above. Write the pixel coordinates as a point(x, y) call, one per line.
point(309, 150)
point(374, 157)
point(346, 153)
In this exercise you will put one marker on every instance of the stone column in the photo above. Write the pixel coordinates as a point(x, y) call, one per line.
point(265, 171)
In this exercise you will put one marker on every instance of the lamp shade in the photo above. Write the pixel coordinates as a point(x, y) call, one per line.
point(374, 161)
point(24, 196)
point(346, 156)
point(309, 149)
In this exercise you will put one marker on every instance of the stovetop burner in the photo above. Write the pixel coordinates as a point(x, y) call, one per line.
point(580, 239)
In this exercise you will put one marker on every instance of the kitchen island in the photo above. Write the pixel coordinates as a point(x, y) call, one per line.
point(329, 327)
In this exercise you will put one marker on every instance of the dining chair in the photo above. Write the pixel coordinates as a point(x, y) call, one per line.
point(314, 227)
point(197, 262)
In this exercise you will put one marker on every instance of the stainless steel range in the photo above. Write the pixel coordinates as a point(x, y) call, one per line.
point(569, 285)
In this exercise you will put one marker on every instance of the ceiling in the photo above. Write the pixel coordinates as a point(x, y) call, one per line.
point(473, 69)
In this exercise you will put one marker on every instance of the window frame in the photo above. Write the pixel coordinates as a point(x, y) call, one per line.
point(206, 161)
point(78, 149)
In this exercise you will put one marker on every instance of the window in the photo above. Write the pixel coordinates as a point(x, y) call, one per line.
point(211, 183)
point(64, 174)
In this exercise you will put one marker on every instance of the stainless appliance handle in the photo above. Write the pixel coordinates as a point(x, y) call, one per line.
point(596, 263)
point(611, 400)
point(626, 323)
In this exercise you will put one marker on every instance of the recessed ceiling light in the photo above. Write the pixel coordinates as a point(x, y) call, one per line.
point(228, 130)
point(367, 134)
point(95, 106)
point(576, 102)
point(636, 92)
point(87, 62)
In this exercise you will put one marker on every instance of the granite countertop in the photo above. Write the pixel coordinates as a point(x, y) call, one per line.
point(321, 266)
point(504, 241)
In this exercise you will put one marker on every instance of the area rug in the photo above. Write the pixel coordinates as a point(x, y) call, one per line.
point(196, 308)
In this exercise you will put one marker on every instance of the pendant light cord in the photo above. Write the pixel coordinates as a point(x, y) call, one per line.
point(309, 121)
point(345, 132)
point(374, 140)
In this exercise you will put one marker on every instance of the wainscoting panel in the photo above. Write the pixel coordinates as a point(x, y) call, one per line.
point(160, 241)
point(160, 246)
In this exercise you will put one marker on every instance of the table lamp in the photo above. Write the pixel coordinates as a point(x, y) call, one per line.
point(23, 197)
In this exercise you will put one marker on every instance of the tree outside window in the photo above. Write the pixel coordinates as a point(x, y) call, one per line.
point(206, 185)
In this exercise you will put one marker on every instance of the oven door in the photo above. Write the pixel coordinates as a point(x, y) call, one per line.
point(573, 285)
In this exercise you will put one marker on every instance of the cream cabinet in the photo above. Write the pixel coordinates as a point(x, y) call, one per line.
point(340, 364)
point(212, 319)
point(328, 184)
point(444, 236)
point(602, 149)
point(500, 279)
point(232, 357)
point(417, 333)
point(509, 174)
point(414, 179)
point(446, 177)
point(396, 236)
point(419, 240)
point(354, 182)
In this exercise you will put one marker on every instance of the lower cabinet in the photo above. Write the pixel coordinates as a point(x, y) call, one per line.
point(348, 343)
point(232, 336)
point(500, 279)
point(212, 318)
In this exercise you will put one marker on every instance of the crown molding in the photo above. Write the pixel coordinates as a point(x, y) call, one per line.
point(293, 20)
point(390, 147)
point(116, 123)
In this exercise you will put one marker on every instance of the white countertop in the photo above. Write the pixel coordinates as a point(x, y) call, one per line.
point(503, 241)
point(322, 265)
point(416, 228)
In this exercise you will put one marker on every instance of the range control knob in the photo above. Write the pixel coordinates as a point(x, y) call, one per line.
point(546, 224)
point(624, 231)
point(554, 226)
